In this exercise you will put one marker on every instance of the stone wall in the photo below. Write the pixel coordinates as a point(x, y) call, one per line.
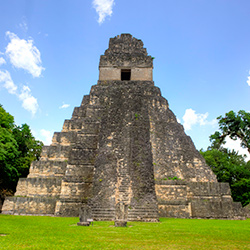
point(181, 199)
point(137, 74)
point(142, 74)
point(126, 52)
point(29, 205)
point(174, 154)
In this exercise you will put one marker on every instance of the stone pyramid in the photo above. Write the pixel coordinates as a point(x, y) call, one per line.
point(123, 144)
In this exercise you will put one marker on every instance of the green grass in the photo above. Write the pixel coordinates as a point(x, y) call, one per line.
point(33, 232)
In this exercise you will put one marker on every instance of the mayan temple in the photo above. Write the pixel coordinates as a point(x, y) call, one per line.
point(123, 144)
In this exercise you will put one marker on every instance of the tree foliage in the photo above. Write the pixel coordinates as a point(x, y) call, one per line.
point(228, 165)
point(18, 148)
point(235, 126)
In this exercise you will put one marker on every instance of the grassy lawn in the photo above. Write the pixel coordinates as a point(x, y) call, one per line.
point(33, 232)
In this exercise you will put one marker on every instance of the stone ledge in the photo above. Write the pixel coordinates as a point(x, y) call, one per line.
point(173, 202)
point(118, 83)
point(171, 182)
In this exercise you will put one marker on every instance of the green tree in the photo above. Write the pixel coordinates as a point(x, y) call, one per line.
point(230, 167)
point(235, 126)
point(8, 150)
point(29, 149)
point(18, 148)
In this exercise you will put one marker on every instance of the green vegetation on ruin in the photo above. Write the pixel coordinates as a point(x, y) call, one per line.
point(21, 232)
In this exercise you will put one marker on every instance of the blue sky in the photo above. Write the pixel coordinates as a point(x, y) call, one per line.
point(50, 50)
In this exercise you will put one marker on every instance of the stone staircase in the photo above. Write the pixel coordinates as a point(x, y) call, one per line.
point(62, 178)
point(103, 214)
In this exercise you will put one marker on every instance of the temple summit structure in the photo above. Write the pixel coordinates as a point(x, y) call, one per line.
point(123, 145)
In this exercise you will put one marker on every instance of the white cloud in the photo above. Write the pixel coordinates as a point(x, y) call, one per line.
point(64, 106)
point(29, 101)
point(46, 136)
point(2, 61)
point(191, 118)
point(248, 80)
point(23, 54)
point(231, 144)
point(6, 79)
point(103, 8)
point(23, 25)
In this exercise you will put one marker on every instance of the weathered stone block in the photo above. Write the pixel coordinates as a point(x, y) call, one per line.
point(64, 138)
point(85, 100)
point(86, 141)
point(82, 173)
point(85, 215)
point(80, 156)
point(8, 205)
point(47, 169)
point(75, 190)
point(55, 152)
point(67, 208)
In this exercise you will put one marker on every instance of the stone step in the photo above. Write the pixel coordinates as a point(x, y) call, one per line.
point(55, 153)
point(138, 211)
point(82, 172)
point(83, 111)
point(37, 186)
point(216, 209)
point(103, 209)
point(124, 189)
point(47, 169)
point(79, 112)
point(125, 183)
point(75, 190)
point(85, 100)
point(124, 179)
point(143, 217)
point(123, 199)
point(144, 213)
point(86, 141)
point(173, 202)
point(208, 188)
point(82, 156)
point(29, 206)
point(85, 125)
point(102, 213)
point(64, 138)
point(68, 207)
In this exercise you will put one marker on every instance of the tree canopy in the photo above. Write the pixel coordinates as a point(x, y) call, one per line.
point(18, 148)
point(230, 167)
point(227, 164)
point(235, 126)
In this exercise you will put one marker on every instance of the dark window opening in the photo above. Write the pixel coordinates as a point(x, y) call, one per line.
point(125, 74)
